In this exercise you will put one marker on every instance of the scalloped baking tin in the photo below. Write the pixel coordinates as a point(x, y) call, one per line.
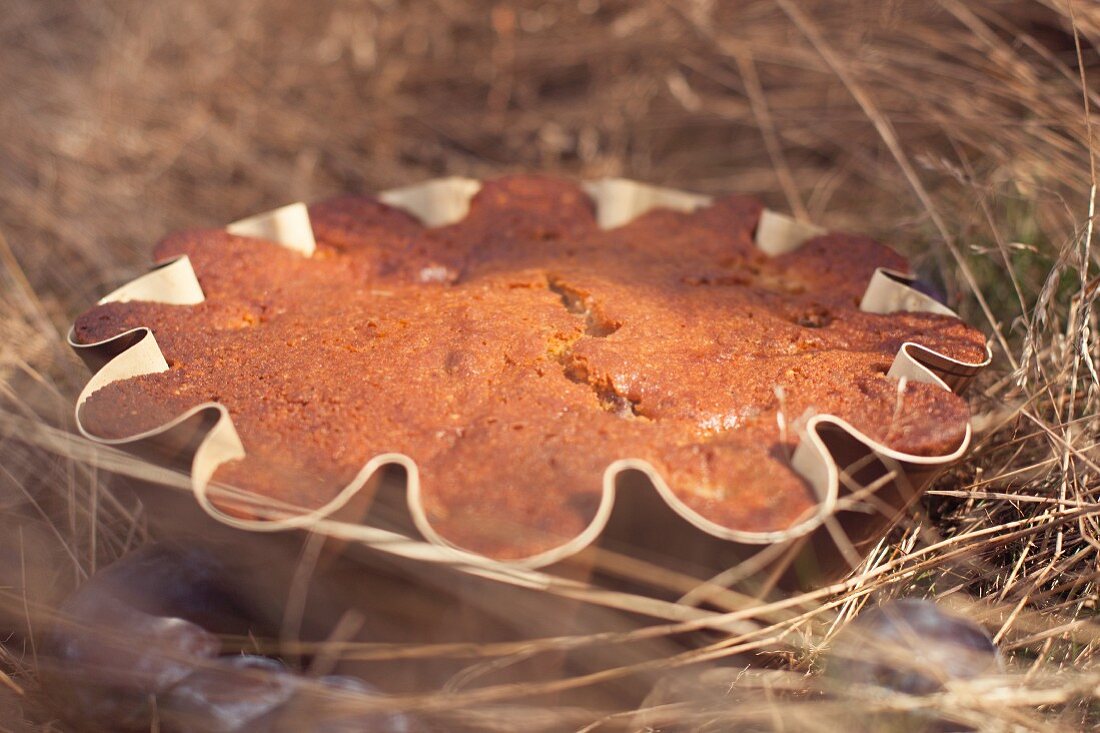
point(830, 454)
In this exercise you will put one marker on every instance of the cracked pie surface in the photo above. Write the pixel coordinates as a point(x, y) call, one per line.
point(516, 354)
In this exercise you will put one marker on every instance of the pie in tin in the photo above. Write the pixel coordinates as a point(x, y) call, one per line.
point(519, 357)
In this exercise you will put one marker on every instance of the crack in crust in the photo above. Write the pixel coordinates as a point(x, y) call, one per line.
point(324, 362)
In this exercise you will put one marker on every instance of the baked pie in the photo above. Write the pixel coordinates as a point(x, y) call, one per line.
point(520, 354)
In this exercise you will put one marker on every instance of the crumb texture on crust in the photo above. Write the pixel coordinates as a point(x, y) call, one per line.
point(515, 354)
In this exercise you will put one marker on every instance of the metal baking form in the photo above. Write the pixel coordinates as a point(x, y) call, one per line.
point(827, 445)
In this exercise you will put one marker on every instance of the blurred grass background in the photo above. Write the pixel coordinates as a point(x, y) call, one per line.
point(955, 131)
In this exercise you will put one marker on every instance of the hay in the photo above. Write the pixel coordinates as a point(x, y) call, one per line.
point(956, 132)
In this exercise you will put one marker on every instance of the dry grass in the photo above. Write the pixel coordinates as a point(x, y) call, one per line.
point(958, 132)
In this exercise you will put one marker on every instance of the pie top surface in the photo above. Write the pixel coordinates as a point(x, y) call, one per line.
point(515, 354)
